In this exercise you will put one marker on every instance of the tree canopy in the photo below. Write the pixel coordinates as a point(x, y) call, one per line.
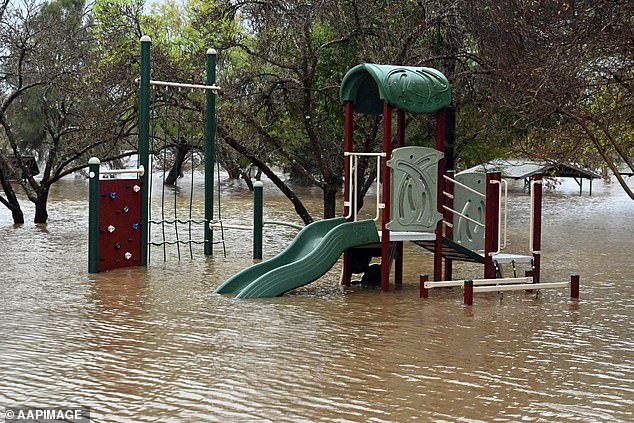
point(544, 79)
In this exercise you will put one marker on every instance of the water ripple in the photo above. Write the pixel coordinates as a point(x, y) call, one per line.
point(156, 345)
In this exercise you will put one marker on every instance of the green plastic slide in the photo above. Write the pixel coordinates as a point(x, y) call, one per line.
point(315, 249)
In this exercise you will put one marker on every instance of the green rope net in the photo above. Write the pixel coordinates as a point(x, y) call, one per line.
point(176, 154)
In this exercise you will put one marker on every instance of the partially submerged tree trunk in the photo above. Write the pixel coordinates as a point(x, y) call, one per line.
point(330, 199)
point(11, 201)
point(232, 168)
point(301, 210)
point(41, 211)
point(177, 167)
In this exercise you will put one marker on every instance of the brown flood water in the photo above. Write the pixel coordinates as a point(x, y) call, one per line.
point(156, 345)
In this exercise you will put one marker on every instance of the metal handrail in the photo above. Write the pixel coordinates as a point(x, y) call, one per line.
point(220, 224)
point(457, 213)
point(353, 192)
point(480, 282)
point(461, 215)
point(464, 186)
point(506, 197)
point(287, 224)
point(213, 88)
point(140, 171)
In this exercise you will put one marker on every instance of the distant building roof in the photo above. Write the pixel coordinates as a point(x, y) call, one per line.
point(522, 169)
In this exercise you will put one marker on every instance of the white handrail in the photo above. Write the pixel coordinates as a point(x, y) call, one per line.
point(379, 188)
point(353, 192)
point(213, 88)
point(218, 224)
point(464, 186)
point(347, 201)
point(140, 171)
point(356, 191)
point(480, 282)
point(352, 153)
point(532, 219)
point(506, 197)
point(521, 287)
point(462, 215)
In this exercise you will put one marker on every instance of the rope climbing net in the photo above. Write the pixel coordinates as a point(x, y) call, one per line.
point(177, 147)
point(177, 144)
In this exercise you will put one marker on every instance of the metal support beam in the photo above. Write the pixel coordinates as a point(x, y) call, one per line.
point(144, 143)
point(385, 218)
point(536, 227)
point(210, 150)
point(346, 277)
point(491, 223)
point(93, 215)
point(441, 120)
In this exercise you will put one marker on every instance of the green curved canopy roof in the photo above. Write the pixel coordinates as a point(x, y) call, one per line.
point(408, 88)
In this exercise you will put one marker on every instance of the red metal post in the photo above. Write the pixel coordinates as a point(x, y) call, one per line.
point(468, 292)
point(441, 121)
point(574, 286)
point(398, 269)
point(346, 277)
point(537, 226)
point(400, 128)
point(347, 147)
point(400, 142)
point(491, 221)
point(385, 218)
point(424, 292)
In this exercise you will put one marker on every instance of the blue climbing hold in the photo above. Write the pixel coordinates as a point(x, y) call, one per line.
point(113, 195)
point(135, 226)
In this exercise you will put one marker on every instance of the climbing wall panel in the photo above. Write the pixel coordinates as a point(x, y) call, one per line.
point(414, 188)
point(467, 233)
point(119, 223)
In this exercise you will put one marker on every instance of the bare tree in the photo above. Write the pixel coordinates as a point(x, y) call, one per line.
point(82, 113)
point(564, 71)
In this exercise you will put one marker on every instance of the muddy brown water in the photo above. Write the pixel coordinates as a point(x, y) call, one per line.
point(155, 345)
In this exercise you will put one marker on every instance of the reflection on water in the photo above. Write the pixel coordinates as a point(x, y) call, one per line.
point(156, 345)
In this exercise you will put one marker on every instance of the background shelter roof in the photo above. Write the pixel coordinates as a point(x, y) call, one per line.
point(408, 88)
point(522, 169)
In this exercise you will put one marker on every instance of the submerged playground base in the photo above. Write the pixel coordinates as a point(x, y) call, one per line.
point(457, 217)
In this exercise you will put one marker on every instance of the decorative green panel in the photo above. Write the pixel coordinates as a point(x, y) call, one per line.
point(467, 233)
point(414, 189)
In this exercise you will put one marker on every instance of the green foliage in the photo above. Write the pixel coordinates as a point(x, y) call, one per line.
point(27, 117)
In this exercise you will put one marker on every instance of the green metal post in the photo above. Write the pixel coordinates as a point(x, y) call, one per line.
point(144, 141)
point(93, 215)
point(210, 151)
point(258, 206)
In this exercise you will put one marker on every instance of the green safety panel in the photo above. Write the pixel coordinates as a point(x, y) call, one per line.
point(467, 233)
point(408, 88)
point(414, 189)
